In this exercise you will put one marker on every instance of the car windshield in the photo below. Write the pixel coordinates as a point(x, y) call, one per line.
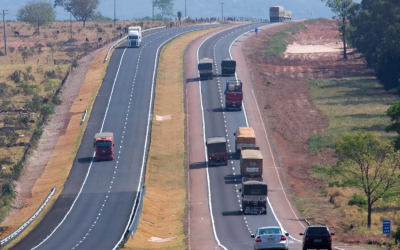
point(317, 230)
point(275, 230)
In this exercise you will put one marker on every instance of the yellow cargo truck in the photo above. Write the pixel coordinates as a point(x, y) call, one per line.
point(251, 162)
point(244, 137)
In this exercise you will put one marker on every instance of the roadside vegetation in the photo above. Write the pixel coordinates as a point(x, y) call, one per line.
point(336, 119)
point(165, 171)
point(278, 43)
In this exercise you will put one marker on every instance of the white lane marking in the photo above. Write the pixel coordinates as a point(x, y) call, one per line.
point(273, 159)
point(91, 163)
point(148, 127)
point(205, 150)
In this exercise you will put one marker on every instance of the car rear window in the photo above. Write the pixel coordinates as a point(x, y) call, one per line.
point(263, 231)
point(317, 230)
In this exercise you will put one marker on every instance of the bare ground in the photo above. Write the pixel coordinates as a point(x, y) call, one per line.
point(37, 161)
point(283, 92)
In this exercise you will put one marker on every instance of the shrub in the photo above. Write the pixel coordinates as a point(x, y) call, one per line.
point(7, 188)
point(37, 133)
point(15, 76)
point(72, 40)
point(3, 89)
point(47, 109)
point(28, 77)
point(12, 49)
point(57, 100)
point(6, 161)
point(29, 69)
point(357, 200)
point(396, 235)
point(50, 74)
point(100, 30)
point(86, 46)
point(17, 170)
point(34, 104)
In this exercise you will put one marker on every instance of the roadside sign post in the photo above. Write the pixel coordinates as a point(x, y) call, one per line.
point(386, 230)
point(256, 31)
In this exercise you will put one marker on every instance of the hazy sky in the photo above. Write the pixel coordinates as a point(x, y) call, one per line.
point(128, 9)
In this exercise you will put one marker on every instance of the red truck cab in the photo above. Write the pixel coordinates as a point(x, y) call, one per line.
point(233, 95)
point(104, 146)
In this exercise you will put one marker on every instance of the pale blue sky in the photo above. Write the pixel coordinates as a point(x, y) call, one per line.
point(128, 9)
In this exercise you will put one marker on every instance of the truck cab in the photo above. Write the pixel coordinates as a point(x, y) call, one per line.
point(233, 95)
point(254, 196)
point(104, 146)
point(217, 151)
point(228, 67)
point(134, 36)
point(205, 68)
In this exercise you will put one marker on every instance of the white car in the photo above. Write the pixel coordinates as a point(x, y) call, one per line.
point(270, 238)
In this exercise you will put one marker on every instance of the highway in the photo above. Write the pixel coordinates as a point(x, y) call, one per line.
point(96, 203)
point(232, 228)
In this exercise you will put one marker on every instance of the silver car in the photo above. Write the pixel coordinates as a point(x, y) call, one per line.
point(270, 237)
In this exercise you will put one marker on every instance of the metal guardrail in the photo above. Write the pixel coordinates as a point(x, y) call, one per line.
point(120, 40)
point(26, 224)
point(84, 116)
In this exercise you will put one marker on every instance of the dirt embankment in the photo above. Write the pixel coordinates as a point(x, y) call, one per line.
point(284, 96)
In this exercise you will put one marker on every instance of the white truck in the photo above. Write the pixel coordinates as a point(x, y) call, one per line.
point(134, 36)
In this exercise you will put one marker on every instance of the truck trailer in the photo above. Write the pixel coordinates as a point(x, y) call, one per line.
point(254, 196)
point(287, 15)
point(104, 146)
point(205, 68)
point(276, 14)
point(134, 36)
point(228, 67)
point(233, 95)
point(217, 151)
point(244, 137)
point(251, 162)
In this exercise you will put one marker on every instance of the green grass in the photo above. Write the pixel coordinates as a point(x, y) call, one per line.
point(350, 105)
point(278, 43)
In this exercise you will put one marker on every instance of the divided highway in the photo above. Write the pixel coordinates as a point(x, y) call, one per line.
point(232, 228)
point(96, 203)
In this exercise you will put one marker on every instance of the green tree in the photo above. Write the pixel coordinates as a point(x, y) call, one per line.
point(37, 13)
point(394, 113)
point(179, 14)
point(375, 34)
point(165, 6)
point(341, 8)
point(81, 10)
point(368, 163)
point(99, 17)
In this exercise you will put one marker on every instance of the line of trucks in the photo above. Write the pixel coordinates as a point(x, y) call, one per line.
point(254, 190)
point(278, 14)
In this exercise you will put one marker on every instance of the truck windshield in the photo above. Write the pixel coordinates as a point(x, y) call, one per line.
point(216, 147)
point(229, 63)
point(205, 66)
point(133, 37)
point(255, 189)
point(233, 87)
point(103, 144)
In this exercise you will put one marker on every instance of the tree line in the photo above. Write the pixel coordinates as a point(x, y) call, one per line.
point(366, 161)
point(40, 13)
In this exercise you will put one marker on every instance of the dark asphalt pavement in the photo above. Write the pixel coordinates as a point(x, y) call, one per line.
point(233, 229)
point(100, 212)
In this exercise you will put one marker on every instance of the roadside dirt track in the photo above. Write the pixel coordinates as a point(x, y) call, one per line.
point(199, 228)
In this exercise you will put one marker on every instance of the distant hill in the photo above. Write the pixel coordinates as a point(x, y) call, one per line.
point(128, 9)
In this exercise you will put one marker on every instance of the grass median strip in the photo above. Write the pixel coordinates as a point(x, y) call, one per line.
point(60, 163)
point(162, 221)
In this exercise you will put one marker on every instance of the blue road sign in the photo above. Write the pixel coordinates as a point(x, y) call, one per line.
point(256, 30)
point(386, 227)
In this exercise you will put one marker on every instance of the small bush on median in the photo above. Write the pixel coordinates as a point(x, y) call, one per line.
point(357, 200)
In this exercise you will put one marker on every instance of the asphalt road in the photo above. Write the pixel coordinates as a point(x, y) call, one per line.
point(95, 215)
point(233, 229)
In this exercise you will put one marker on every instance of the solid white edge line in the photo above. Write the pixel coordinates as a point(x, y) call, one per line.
point(247, 123)
point(205, 148)
point(90, 166)
point(148, 125)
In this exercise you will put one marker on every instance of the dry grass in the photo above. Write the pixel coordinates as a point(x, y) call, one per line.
point(61, 161)
point(64, 47)
point(165, 200)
